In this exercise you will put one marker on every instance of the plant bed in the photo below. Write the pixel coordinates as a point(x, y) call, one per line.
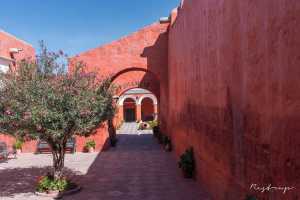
point(187, 163)
point(48, 187)
point(167, 144)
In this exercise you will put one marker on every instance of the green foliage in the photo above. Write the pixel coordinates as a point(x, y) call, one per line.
point(41, 100)
point(153, 124)
point(90, 144)
point(48, 183)
point(166, 140)
point(18, 144)
point(187, 163)
point(250, 198)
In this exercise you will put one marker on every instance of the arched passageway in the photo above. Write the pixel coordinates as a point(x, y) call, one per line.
point(137, 104)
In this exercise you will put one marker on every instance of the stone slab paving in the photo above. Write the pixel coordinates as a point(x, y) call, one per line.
point(137, 169)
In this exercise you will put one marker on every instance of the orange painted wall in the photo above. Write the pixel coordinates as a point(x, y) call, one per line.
point(234, 94)
point(8, 41)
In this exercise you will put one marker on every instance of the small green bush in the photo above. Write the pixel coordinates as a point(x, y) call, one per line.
point(90, 144)
point(18, 144)
point(187, 163)
point(153, 124)
point(251, 198)
point(48, 183)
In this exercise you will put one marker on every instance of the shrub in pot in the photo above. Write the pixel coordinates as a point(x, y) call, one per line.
point(153, 124)
point(160, 138)
point(155, 131)
point(251, 198)
point(113, 141)
point(18, 146)
point(187, 163)
point(48, 185)
point(90, 146)
point(167, 143)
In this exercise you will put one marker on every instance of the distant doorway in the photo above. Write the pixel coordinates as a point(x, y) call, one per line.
point(129, 110)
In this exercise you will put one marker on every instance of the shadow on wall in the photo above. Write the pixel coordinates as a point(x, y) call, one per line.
point(157, 59)
point(228, 140)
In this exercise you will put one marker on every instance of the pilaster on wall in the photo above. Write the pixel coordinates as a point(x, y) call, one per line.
point(138, 112)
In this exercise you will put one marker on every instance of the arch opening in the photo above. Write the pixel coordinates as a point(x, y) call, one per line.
point(129, 109)
point(137, 104)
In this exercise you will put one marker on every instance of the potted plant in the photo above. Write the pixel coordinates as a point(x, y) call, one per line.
point(90, 146)
point(187, 163)
point(18, 146)
point(113, 141)
point(47, 186)
point(155, 131)
point(160, 138)
point(143, 126)
point(251, 197)
point(167, 143)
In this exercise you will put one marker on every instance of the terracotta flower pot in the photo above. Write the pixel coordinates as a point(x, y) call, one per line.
point(18, 151)
point(168, 147)
point(91, 150)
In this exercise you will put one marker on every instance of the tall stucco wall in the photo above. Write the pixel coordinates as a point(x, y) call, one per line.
point(234, 94)
point(8, 41)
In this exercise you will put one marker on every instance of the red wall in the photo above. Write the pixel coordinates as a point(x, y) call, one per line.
point(100, 137)
point(234, 95)
point(8, 41)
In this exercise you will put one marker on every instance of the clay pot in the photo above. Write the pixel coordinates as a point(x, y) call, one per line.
point(168, 147)
point(18, 151)
point(91, 150)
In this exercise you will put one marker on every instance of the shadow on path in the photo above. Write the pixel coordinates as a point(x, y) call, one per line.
point(136, 169)
point(23, 180)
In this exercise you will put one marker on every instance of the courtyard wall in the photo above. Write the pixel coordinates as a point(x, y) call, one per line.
point(234, 93)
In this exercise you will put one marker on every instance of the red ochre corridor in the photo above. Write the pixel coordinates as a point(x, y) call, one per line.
point(225, 77)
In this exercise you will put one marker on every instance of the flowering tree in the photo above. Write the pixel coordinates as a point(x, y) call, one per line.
point(40, 100)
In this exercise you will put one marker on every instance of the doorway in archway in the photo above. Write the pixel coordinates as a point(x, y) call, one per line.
point(129, 109)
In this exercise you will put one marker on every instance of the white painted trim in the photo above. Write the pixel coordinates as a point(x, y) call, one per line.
point(124, 97)
point(151, 96)
point(4, 64)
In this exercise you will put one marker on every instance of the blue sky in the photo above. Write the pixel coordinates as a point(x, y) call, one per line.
point(78, 25)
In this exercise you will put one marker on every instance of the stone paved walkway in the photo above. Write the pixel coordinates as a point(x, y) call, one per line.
point(137, 169)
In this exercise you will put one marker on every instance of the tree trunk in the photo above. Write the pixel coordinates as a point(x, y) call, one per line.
point(58, 162)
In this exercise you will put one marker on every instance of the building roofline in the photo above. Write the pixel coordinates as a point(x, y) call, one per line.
point(10, 35)
point(109, 43)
